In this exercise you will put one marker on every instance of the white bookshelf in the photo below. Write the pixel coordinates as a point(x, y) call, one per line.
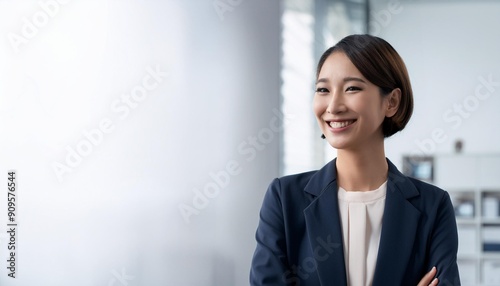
point(473, 182)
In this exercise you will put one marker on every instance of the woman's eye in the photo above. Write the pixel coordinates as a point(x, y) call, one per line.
point(353, 88)
point(321, 90)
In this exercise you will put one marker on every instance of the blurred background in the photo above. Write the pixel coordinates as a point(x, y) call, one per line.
point(144, 134)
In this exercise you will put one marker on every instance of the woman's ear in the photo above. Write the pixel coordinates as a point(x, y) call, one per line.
point(393, 100)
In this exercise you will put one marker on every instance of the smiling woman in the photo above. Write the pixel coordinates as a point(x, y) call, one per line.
point(382, 227)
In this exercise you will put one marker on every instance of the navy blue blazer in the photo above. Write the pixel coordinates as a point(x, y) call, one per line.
point(299, 237)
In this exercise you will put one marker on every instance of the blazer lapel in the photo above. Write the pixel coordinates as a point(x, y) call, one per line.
point(399, 226)
point(323, 227)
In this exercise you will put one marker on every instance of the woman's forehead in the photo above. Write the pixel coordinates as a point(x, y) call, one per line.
point(338, 67)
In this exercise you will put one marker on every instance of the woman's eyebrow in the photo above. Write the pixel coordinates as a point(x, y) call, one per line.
point(322, 80)
point(351, 78)
point(346, 79)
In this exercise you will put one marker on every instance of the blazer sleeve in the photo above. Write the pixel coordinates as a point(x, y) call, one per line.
point(269, 262)
point(444, 244)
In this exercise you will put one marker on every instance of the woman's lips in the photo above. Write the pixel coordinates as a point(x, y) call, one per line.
point(340, 125)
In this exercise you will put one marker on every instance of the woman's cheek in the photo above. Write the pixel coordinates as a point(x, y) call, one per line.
point(318, 107)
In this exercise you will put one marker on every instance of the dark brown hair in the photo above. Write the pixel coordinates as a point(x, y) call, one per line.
point(379, 63)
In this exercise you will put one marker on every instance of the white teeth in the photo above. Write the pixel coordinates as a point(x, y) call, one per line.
point(340, 124)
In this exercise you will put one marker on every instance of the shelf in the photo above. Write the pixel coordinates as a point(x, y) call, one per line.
point(471, 221)
point(473, 183)
point(490, 220)
point(467, 257)
point(490, 255)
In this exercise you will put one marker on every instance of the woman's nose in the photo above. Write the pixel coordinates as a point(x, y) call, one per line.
point(336, 103)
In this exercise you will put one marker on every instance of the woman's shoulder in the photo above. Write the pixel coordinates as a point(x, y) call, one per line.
point(291, 187)
point(426, 188)
point(429, 196)
point(412, 187)
point(298, 179)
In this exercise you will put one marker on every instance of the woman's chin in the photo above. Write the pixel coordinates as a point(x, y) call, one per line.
point(339, 145)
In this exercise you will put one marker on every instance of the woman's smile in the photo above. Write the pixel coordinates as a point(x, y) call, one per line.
point(337, 126)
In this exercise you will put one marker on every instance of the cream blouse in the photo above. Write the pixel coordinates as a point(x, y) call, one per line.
point(361, 218)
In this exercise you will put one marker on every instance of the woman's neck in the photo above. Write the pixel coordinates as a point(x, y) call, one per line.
point(362, 170)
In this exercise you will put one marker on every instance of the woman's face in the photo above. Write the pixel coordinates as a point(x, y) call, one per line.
point(349, 109)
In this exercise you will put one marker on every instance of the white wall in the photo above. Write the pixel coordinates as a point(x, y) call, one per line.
point(117, 211)
point(447, 47)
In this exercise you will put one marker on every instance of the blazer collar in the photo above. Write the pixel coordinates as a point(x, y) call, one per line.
point(323, 226)
point(400, 182)
point(328, 174)
point(322, 178)
point(399, 224)
point(399, 229)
